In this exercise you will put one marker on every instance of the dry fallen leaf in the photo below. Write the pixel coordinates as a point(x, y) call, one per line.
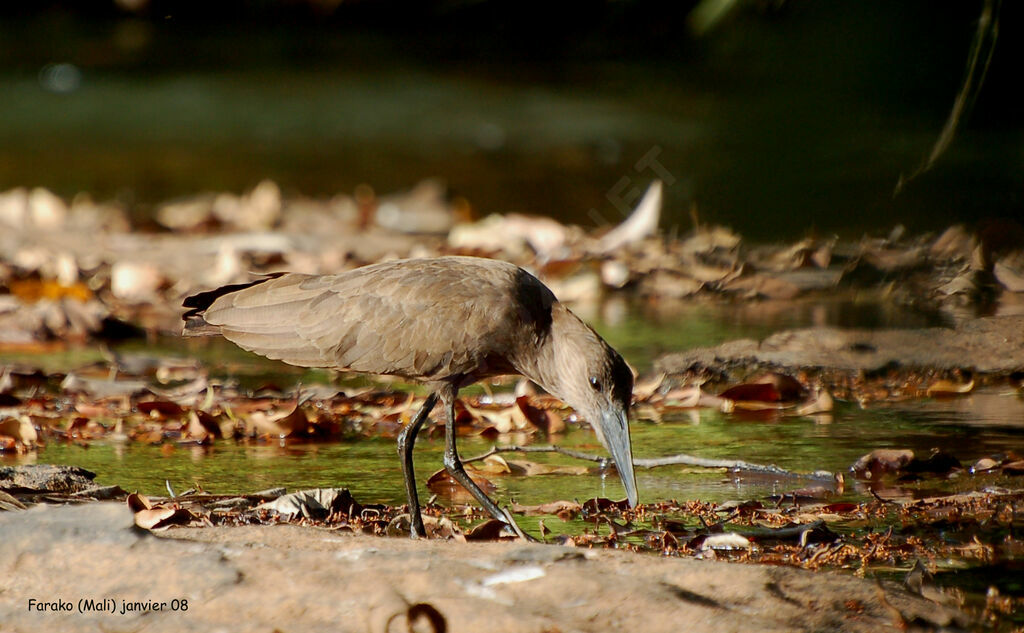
point(823, 403)
point(880, 461)
point(493, 465)
point(279, 424)
point(162, 517)
point(563, 509)
point(20, 429)
point(489, 530)
point(768, 387)
point(530, 469)
point(644, 389)
point(442, 483)
point(726, 541)
point(544, 419)
point(945, 387)
point(202, 425)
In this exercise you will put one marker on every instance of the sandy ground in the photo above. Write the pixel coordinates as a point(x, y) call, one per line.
point(291, 579)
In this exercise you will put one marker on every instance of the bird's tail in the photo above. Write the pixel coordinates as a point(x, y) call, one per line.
point(195, 323)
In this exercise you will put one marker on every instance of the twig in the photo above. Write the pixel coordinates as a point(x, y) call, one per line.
point(880, 499)
point(511, 522)
point(671, 460)
point(794, 531)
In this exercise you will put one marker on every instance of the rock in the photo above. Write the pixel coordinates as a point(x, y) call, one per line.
point(255, 577)
point(45, 477)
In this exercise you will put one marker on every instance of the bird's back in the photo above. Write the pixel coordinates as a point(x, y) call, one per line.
point(425, 319)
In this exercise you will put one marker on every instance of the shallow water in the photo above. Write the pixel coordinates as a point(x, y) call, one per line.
point(983, 423)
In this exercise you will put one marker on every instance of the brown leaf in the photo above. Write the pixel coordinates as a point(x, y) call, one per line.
point(137, 502)
point(160, 408)
point(162, 517)
point(84, 428)
point(758, 285)
point(563, 509)
point(279, 424)
point(490, 420)
point(823, 403)
point(602, 504)
point(669, 284)
point(881, 461)
point(490, 530)
point(984, 464)
point(644, 389)
point(684, 397)
point(493, 465)
point(944, 387)
point(840, 508)
point(1014, 468)
point(33, 290)
point(21, 429)
point(201, 425)
point(1009, 271)
point(544, 419)
point(530, 469)
point(768, 387)
point(443, 484)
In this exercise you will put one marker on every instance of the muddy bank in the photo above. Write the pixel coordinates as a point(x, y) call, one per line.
point(989, 349)
point(302, 579)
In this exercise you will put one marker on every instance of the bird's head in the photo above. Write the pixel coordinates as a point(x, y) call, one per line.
point(593, 379)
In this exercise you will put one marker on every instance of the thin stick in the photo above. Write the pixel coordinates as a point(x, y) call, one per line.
point(670, 460)
point(515, 526)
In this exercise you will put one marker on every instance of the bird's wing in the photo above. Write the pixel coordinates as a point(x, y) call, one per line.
point(421, 322)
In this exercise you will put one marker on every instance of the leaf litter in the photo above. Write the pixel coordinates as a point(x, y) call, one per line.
point(58, 291)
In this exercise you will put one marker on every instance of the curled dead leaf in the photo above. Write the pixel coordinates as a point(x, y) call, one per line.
point(279, 424)
point(161, 518)
point(137, 502)
point(984, 464)
point(881, 461)
point(687, 397)
point(160, 408)
point(442, 483)
point(493, 465)
point(945, 388)
point(530, 469)
point(544, 419)
point(725, 541)
point(202, 425)
point(644, 389)
point(21, 430)
point(490, 530)
point(823, 403)
point(565, 510)
point(767, 387)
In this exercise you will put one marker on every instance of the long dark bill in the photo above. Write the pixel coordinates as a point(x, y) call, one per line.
point(615, 428)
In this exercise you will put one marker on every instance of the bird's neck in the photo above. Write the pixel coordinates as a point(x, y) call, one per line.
point(547, 359)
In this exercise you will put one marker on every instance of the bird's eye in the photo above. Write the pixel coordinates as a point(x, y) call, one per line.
point(595, 383)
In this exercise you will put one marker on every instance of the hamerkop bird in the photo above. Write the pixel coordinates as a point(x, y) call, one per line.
point(447, 322)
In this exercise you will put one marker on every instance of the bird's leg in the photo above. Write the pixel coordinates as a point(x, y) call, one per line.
point(454, 466)
point(406, 441)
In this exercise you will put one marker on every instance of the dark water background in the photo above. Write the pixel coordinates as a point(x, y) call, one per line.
point(785, 118)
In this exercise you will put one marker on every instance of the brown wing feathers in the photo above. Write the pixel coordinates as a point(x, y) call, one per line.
point(425, 321)
point(195, 323)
